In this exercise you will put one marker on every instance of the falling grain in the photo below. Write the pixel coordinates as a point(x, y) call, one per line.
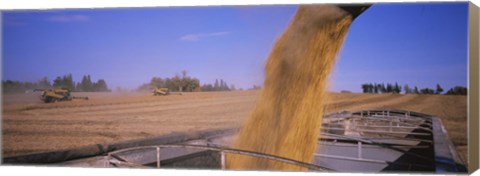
point(287, 117)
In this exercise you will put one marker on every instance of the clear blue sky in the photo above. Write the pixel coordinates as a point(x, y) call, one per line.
point(415, 44)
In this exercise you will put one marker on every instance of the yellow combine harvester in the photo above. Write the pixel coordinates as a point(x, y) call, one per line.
point(160, 91)
point(54, 95)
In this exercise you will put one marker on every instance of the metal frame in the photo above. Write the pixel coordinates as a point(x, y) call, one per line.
point(383, 122)
point(119, 161)
point(373, 126)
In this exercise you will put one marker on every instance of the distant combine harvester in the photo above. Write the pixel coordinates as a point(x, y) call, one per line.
point(54, 95)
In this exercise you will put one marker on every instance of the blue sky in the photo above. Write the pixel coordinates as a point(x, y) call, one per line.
point(415, 44)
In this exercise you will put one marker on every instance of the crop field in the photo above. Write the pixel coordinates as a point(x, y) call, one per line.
point(29, 125)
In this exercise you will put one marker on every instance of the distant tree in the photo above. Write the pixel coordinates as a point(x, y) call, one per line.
point(57, 82)
point(221, 87)
point(180, 82)
point(207, 87)
point(78, 87)
point(86, 84)
point(389, 88)
point(191, 84)
point(70, 82)
point(157, 82)
point(427, 91)
point(224, 85)
point(457, 90)
point(407, 89)
point(365, 88)
point(415, 90)
point(216, 86)
point(169, 83)
point(12, 86)
point(66, 82)
point(383, 89)
point(184, 81)
point(177, 83)
point(379, 88)
point(439, 89)
point(101, 86)
point(255, 87)
point(396, 88)
point(44, 83)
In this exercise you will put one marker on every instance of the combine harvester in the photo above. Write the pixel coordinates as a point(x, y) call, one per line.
point(54, 95)
point(161, 91)
point(164, 92)
point(364, 141)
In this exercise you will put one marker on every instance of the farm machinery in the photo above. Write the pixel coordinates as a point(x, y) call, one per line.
point(160, 91)
point(54, 95)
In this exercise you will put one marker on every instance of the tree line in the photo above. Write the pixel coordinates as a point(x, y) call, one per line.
point(86, 85)
point(184, 83)
point(396, 88)
point(218, 86)
point(177, 83)
point(18, 86)
point(65, 81)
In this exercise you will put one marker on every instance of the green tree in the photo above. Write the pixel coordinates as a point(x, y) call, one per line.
point(58, 82)
point(439, 89)
point(457, 90)
point(389, 88)
point(365, 88)
point(68, 82)
point(207, 87)
point(396, 88)
point(101, 86)
point(86, 83)
point(384, 89)
point(379, 88)
point(427, 91)
point(157, 82)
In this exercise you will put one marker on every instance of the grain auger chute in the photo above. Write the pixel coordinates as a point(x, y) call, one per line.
point(54, 95)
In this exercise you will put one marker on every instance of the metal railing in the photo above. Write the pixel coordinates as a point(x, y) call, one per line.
point(222, 150)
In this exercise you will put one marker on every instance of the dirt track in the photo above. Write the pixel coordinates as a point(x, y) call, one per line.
point(29, 125)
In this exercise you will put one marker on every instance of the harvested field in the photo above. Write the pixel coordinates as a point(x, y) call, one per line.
point(29, 125)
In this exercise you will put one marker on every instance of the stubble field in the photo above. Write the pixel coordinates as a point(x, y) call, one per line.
point(29, 125)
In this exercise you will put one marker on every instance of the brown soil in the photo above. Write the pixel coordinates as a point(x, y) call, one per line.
point(29, 125)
